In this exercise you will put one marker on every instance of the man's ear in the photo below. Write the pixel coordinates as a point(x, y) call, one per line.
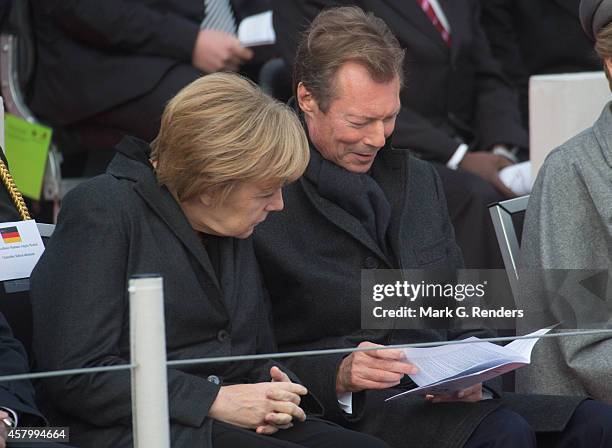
point(306, 101)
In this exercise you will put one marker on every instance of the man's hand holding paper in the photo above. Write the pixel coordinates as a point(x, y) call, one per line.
point(373, 369)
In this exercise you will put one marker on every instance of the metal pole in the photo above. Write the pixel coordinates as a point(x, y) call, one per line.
point(148, 351)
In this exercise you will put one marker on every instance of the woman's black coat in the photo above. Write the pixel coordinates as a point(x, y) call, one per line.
point(117, 225)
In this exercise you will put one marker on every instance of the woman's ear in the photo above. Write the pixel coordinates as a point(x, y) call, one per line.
point(206, 199)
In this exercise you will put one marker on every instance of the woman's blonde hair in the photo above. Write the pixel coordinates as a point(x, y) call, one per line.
point(222, 130)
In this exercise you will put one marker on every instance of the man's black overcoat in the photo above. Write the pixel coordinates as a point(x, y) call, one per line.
point(312, 255)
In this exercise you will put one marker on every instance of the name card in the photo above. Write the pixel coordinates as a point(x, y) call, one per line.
point(20, 248)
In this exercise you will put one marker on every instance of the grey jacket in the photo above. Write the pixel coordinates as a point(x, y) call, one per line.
point(568, 225)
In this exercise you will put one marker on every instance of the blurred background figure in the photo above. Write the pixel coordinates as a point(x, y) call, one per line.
point(105, 69)
point(534, 37)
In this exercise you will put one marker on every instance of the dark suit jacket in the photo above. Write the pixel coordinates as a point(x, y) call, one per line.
point(449, 93)
point(530, 37)
point(16, 395)
point(8, 212)
point(113, 227)
point(94, 55)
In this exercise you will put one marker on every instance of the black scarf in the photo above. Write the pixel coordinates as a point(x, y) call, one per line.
point(357, 194)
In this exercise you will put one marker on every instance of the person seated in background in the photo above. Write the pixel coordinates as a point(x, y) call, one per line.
point(18, 407)
point(568, 225)
point(362, 204)
point(184, 208)
point(115, 64)
point(458, 111)
point(533, 37)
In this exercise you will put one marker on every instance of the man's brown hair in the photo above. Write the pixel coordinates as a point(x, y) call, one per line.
point(340, 35)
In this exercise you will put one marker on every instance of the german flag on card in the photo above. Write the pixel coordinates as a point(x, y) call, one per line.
point(10, 235)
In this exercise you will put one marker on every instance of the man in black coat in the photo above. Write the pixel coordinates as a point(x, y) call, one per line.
point(116, 63)
point(531, 37)
point(363, 205)
point(17, 402)
point(455, 99)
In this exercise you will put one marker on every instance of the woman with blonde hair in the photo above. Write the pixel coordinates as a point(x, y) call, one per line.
point(184, 208)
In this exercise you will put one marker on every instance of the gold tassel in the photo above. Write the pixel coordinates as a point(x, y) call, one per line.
point(8, 182)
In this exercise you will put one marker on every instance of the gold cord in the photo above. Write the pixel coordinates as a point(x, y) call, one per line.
point(8, 182)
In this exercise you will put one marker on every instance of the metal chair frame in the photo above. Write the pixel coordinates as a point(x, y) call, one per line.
point(509, 245)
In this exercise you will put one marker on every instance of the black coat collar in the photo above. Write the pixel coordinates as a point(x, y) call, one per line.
point(390, 171)
point(570, 5)
point(132, 163)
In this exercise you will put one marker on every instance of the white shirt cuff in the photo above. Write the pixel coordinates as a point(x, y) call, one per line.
point(13, 414)
point(455, 160)
point(504, 151)
point(346, 402)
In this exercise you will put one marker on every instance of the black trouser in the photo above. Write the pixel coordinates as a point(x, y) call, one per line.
point(140, 117)
point(311, 434)
point(589, 427)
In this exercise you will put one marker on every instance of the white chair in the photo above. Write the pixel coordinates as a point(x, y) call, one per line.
point(561, 106)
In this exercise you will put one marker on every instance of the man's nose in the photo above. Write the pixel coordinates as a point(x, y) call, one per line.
point(376, 135)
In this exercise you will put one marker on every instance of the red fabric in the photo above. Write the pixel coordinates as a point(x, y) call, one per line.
point(427, 8)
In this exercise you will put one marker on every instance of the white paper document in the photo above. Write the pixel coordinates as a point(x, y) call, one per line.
point(449, 368)
point(257, 30)
point(20, 248)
